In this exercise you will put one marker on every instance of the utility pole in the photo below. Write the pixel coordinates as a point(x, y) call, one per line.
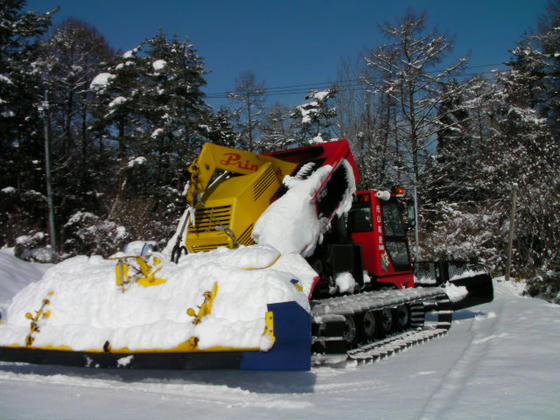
point(511, 229)
point(416, 244)
point(52, 231)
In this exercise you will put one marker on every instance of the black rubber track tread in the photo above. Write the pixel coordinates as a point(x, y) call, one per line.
point(420, 301)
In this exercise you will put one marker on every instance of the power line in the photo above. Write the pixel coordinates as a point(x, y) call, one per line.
point(350, 84)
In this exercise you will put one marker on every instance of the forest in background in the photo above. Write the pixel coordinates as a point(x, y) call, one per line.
point(123, 127)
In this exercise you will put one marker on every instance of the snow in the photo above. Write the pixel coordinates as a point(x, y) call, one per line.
point(155, 317)
point(159, 65)
point(136, 247)
point(280, 224)
point(456, 293)
point(15, 274)
point(101, 81)
point(465, 273)
point(499, 361)
point(317, 139)
point(124, 361)
point(6, 79)
point(345, 282)
point(157, 133)
point(130, 53)
point(137, 161)
point(119, 100)
point(321, 95)
point(308, 110)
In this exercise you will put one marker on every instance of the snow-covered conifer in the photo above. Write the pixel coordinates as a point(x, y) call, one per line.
point(70, 58)
point(313, 120)
point(276, 129)
point(20, 94)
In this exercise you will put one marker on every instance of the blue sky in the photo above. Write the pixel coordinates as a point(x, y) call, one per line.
point(288, 43)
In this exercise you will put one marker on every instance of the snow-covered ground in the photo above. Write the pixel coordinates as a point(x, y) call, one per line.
point(499, 361)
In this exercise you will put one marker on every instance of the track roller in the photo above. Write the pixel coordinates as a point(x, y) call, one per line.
point(401, 316)
point(351, 331)
point(386, 321)
point(370, 326)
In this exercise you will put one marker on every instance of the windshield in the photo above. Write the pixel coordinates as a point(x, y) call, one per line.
point(395, 235)
point(392, 219)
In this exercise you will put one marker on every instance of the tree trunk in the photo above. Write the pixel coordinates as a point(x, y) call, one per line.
point(84, 157)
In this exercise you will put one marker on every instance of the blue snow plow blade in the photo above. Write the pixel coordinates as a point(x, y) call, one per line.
point(291, 351)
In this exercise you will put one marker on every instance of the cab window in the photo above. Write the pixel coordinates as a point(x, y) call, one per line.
point(360, 219)
point(392, 219)
point(395, 235)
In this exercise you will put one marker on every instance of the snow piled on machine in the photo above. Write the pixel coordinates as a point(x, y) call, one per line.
point(290, 224)
point(87, 309)
point(281, 223)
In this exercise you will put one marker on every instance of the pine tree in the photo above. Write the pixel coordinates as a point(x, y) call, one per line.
point(117, 119)
point(313, 121)
point(70, 57)
point(21, 134)
point(525, 151)
point(152, 106)
point(464, 120)
point(173, 105)
point(22, 201)
point(505, 136)
point(276, 130)
point(220, 129)
point(537, 59)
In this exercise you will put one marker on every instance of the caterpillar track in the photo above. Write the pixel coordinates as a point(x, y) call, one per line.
point(377, 324)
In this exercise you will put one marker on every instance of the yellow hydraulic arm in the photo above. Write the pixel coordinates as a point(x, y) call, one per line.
point(214, 157)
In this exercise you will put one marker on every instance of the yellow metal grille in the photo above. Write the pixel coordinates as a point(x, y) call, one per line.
point(264, 181)
point(207, 219)
point(245, 238)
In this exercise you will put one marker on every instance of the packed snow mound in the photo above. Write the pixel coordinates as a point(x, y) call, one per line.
point(345, 282)
point(15, 274)
point(281, 224)
point(291, 224)
point(87, 308)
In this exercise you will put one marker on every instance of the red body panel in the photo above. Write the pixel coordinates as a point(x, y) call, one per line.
point(330, 153)
point(375, 258)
